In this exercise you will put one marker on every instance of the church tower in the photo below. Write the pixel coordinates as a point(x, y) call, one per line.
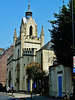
point(28, 25)
point(25, 51)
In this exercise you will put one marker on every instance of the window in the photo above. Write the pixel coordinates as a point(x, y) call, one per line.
point(18, 53)
point(30, 30)
point(9, 78)
point(28, 58)
point(50, 78)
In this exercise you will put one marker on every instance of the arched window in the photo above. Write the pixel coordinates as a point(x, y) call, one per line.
point(9, 78)
point(30, 30)
point(18, 53)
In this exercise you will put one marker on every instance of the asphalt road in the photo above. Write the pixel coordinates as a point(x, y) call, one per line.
point(4, 97)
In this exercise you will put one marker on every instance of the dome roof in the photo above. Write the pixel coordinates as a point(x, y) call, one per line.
point(28, 13)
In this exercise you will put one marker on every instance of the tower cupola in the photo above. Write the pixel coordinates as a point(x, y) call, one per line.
point(28, 13)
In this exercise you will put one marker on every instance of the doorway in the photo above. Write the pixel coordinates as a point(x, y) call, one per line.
point(60, 85)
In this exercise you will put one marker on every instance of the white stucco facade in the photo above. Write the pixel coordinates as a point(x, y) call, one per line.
point(60, 81)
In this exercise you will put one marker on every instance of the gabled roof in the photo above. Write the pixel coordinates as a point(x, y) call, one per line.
point(1, 49)
point(47, 46)
point(24, 20)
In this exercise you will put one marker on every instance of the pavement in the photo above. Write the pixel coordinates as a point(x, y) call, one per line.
point(16, 95)
point(22, 96)
point(41, 98)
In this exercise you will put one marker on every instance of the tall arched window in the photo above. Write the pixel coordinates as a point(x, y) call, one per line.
point(30, 30)
point(9, 78)
point(18, 53)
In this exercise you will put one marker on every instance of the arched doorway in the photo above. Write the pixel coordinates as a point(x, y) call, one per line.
point(9, 78)
point(17, 77)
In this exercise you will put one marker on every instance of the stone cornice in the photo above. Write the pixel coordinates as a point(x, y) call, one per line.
point(14, 60)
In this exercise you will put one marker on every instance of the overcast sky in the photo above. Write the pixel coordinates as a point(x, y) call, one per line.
point(12, 11)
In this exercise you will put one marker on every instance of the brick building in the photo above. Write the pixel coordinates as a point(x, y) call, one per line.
point(4, 54)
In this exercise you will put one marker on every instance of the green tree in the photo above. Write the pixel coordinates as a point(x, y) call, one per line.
point(33, 71)
point(74, 9)
point(61, 35)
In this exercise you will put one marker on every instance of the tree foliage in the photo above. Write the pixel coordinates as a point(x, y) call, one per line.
point(33, 71)
point(74, 10)
point(61, 35)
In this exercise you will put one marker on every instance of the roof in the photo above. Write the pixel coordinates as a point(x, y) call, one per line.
point(1, 48)
point(47, 46)
point(28, 13)
point(25, 20)
point(3, 51)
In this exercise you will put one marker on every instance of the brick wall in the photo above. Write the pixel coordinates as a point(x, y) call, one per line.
point(3, 64)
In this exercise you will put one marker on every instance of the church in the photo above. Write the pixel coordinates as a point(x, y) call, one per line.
point(27, 48)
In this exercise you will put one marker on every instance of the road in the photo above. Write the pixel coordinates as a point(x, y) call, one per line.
point(4, 97)
point(35, 97)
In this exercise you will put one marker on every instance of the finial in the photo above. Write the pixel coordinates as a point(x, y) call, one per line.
point(28, 13)
point(15, 34)
point(29, 5)
point(15, 29)
point(42, 32)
